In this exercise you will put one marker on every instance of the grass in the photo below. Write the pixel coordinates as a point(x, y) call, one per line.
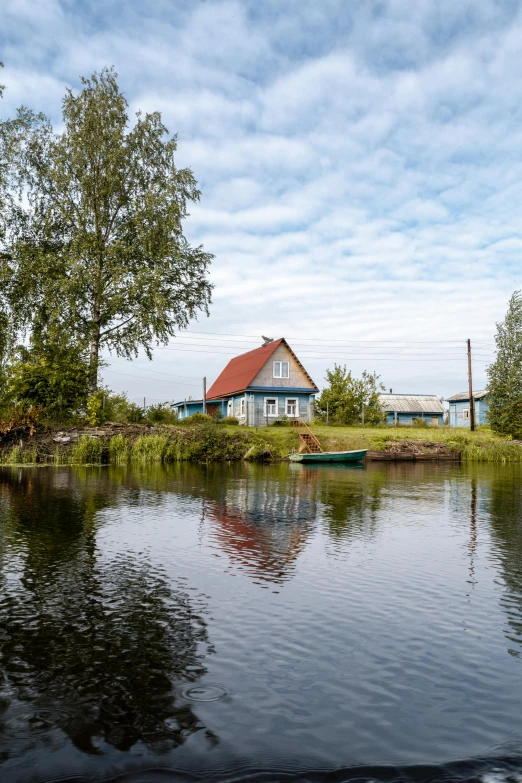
point(209, 443)
point(479, 446)
point(88, 451)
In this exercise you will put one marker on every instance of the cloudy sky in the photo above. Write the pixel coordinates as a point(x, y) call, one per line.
point(360, 165)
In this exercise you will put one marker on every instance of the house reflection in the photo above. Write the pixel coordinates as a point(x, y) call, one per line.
point(94, 644)
point(263, 520)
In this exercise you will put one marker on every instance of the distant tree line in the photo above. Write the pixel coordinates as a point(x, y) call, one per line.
point(92, 252)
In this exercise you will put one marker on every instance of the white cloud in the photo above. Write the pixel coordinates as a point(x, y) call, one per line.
point(360, 163)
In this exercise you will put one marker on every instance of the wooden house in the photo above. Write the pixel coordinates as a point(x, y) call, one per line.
point(407, 408)
point(258, 388)
point(459, 415)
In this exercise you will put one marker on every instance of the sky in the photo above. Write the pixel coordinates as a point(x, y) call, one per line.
point(359, 162)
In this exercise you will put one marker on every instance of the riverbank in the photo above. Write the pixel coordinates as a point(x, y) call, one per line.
point(132, 443)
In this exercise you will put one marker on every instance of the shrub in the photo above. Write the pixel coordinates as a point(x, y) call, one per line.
point(161, 414)
point(422, 423)
point(229, 420)
point(199, 418)
point(18, 422)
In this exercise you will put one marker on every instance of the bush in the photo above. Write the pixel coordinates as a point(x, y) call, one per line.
point(104, 406)
point(422, 423)
point(18, 423)
point(199, 418)
point(229, 420)
point(161, 414)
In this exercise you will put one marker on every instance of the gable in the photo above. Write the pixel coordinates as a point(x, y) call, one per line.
point(243, 371)
point(298, 378)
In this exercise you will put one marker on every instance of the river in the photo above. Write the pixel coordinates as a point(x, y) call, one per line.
point(261, 623)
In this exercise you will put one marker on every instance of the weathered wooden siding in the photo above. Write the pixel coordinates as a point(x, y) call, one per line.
point(456, 412)
point(297, 377)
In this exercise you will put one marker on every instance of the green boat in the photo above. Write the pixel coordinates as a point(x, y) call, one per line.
point(329, 456)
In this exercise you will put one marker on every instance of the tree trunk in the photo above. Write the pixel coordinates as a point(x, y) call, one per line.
point(94, 361)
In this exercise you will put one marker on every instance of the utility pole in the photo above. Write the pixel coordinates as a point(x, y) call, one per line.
point(327, 411)
point(144, 406)
point(470, 384)
point(204, 395)
point(362, 413)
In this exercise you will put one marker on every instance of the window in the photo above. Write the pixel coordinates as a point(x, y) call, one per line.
point(280, 369)
point(465, 413)
point(270, 406)
point(292, 407)
point(230, 408)
point(242, 406)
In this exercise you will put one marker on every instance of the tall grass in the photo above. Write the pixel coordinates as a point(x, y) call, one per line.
point(18, 456)
point(88, 451)
point(119, 450)
point(154, 448)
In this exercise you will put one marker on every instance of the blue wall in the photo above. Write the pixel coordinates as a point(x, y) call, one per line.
point(407, 418)
point(456, 412)
point(254, 408)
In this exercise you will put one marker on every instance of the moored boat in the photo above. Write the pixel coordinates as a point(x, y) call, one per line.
point(330, 456)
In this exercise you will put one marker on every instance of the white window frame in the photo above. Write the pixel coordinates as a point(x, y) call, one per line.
point(230, 408)
point(242, 410)
point(292, 399)
point(278, 369)
point(465, 413)
point(271, 415)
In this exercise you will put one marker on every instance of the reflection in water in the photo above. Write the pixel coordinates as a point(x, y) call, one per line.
point(505, 518)
point(92, 646)
point(375, 655)
point(350, 499)
point(263, 521)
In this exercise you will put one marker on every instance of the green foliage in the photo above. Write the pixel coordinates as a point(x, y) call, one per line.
point(53, 376)
point(20, 456)
point(229, 420)
point(104, 405)
point(153, 448)
point(418, 422)
point(119, 450)
point(161, 414)
point(94, 240)
point(88, 451)
point(505, 374)
point(199, 418)
point(345, 396)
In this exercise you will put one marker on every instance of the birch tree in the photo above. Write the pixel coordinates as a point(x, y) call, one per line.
point(94, 245)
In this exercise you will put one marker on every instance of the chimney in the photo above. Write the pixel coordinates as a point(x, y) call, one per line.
point(391, 391)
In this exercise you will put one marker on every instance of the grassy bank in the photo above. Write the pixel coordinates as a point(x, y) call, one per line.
point(211, 443)
point(479, 446)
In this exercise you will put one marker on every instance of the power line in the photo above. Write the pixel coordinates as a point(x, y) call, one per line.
point(319, 339)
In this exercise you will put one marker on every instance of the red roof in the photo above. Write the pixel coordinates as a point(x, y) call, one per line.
point(241, 371)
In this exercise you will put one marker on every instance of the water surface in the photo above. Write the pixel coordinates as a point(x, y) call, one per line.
point(261, 622)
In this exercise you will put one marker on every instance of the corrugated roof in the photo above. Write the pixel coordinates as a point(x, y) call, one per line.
point(411, 403)
point(462, 396)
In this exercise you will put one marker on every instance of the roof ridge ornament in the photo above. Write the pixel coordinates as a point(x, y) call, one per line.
point(266, 340)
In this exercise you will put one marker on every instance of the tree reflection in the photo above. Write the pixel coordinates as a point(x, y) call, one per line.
point(350, 499)
point(96, 645)
point(505, 517)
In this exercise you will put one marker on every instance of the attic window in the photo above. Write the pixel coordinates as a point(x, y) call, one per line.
point(281, 369)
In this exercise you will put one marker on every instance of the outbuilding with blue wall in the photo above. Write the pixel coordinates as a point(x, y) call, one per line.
point(459, 409)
